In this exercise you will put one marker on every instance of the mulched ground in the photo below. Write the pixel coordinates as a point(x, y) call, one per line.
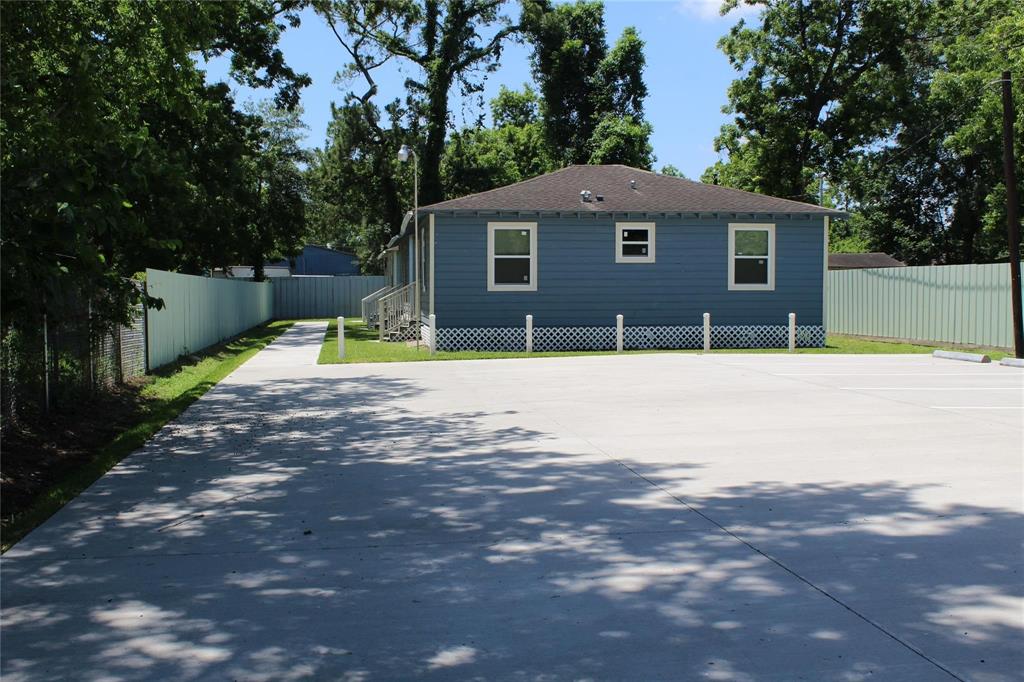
point(37, 451)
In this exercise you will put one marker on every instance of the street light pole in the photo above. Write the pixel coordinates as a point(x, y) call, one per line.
point(1012, 215)
point(403, 156)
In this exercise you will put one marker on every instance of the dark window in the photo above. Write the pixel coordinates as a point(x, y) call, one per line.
point(751, 271)
point(511, 270)
point(635, 244)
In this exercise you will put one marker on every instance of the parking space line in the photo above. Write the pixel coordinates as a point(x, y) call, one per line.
point(912, 401)
point(975, 407)
point(891, 374)
point(931, 388)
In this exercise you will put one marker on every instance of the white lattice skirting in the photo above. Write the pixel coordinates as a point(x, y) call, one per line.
point(640, 338)
point(573, 338)
point(513, 339)
point(425, 334)
point(766, 336)
point(482, 338)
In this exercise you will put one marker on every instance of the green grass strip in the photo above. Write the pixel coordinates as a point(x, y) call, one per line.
point(172, 390)
point(362, 345)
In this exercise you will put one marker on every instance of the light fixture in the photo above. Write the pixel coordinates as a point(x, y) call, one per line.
point(403, 153)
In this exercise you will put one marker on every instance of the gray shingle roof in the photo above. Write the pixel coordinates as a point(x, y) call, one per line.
point(622, 189)
point(854, 261)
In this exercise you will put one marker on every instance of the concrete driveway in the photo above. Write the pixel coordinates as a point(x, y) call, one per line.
point(641, 517)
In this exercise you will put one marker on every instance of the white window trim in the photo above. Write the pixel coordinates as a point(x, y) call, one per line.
point(770, 229)
point(491, 227)
point(649, 258)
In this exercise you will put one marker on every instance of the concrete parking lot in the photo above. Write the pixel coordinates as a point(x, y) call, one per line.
point(638, 517)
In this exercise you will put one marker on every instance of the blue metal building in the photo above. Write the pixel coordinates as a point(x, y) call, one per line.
point(321, 260)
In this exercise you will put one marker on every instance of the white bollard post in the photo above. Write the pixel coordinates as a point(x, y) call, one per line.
point(618, 333)
point(432, 341)
point(529, 333)
point(341, 338)
point(707, 332)
point(792, 332)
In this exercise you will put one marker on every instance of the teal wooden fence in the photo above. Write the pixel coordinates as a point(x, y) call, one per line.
point(960, 304)
point(199, 312)
point(297, 298)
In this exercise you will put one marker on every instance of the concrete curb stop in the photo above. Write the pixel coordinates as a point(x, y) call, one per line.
point(955, 355)
point(1012, 362)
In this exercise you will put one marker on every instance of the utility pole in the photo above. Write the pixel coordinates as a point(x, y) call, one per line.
point(1012, 215)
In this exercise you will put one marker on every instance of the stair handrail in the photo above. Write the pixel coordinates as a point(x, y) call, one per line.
point(394, 310)
point(368, 305)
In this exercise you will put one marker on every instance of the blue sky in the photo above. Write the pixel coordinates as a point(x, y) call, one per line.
point(687, 76)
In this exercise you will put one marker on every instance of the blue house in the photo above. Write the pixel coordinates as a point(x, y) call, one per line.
point(580, 246)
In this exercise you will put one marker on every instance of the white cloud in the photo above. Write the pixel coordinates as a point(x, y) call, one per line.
point(708, 10)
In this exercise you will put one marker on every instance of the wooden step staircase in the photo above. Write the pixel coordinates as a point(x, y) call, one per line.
point(396, 315)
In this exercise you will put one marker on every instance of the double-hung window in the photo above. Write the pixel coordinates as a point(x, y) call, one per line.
point(634, 242)
point(511, 256)
point(751, 257)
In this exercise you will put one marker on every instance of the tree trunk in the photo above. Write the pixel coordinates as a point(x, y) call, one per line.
point(431, 190)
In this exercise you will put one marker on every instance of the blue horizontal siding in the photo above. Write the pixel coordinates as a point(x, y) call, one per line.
point(579, 282)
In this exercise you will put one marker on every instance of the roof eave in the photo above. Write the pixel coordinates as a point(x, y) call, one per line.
point(604, 213)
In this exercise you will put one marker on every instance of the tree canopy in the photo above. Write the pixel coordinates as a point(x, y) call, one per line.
point(883, 106)
point(588, 111)
point(592, 96)
point(117, 155)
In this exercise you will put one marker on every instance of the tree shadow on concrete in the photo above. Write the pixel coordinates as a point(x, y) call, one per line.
point(321, 528)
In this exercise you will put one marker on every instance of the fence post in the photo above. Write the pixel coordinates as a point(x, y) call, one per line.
point(792, 332)
point(707, 332)
point(529, 333)
point(341, 338)
point(432, 343)
point(46, 365)
point(92, 355)
point(119, 349)
point(618, 333)
point(145, 327)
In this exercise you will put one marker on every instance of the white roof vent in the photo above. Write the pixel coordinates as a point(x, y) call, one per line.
point(586, 195)
point(632, 184)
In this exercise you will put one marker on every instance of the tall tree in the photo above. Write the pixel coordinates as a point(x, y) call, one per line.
point(820, 78)
point(114, 147)
point(277, 187)
point(592, 97)
point(933, 191)
point(440, 37)
point(358, 190)
point(479, 159)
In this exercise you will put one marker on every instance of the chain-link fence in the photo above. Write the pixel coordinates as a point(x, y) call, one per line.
point(55, 361)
